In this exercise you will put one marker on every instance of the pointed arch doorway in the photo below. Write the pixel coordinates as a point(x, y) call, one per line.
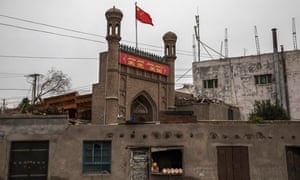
point(143, 108)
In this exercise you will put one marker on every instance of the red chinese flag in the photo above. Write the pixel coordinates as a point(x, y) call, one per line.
point(143, 16)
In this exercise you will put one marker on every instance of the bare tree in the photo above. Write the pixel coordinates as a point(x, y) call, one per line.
point(55, 82)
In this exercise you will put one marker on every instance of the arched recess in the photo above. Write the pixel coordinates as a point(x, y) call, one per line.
point(143, 108)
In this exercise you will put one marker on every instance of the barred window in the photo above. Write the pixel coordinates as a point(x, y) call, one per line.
point(96, 157)
point(211, 83)
point(263, 79)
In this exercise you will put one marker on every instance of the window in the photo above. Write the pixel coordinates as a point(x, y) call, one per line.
point(166, 160)
point(230, 114)
point(212, 83)
point(293, 162)
point(263, 79)
point(96, 157)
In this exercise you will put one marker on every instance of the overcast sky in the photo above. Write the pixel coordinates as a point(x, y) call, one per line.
point(238, 16)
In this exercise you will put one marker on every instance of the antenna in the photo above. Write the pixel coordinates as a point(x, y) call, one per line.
point(256, 41)
point(3, 106)
point(221, 49)
point(194, 49)
point(294, 33)
point(226, 43)
point(197, 33)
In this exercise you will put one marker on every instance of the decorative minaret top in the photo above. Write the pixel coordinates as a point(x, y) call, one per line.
point(113, 17)
point(170, 48)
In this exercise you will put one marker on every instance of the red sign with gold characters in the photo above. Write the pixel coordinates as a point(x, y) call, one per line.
point(140, 63)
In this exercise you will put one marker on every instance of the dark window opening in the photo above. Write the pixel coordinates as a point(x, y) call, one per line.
point(212, 83)
point(230, 114)
point(293, 162)
point(263, 79)
point(96, 157)
point(166, 161)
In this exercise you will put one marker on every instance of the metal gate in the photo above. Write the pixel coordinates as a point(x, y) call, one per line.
point(293, 162)
point(233, 163)
point(139, 164)
point(28, 160)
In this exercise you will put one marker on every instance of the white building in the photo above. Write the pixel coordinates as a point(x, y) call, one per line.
point(241, 81)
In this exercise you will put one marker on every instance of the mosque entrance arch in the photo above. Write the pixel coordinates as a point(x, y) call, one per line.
point(143, 108)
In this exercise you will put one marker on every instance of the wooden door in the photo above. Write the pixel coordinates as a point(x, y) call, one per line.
point(139, 164)
point(233, 163)
point(293, 162)
point(28, 160)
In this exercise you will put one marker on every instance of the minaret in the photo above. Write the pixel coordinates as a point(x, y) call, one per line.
point(113, 37)
point(170, 55)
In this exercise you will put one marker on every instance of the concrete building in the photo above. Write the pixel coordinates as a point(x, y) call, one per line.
point(140, 131)
point(241, 81)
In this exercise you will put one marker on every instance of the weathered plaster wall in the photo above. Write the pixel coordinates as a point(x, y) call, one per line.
point(28, 128)
point(266, 145)
point(236, 82)
point(293, 77)
point(210, 111)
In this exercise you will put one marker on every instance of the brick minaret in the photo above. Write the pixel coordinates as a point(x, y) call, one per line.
point(170, 55)
point(113, 17)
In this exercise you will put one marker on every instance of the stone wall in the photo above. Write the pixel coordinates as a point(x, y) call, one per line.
point(266, 146)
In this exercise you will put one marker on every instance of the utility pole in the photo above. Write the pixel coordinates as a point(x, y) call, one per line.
point(256, 41)
point(3, 106)
point(194, 49)
point(226, 43)
point(197, 33)
point(35, 85)
point(294, 33)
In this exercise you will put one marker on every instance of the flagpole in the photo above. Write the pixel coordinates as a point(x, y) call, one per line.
point(136, 35)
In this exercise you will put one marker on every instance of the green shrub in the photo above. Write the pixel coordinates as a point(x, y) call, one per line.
point(264, 110)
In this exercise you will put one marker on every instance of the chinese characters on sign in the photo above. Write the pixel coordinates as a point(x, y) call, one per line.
point(140, 63)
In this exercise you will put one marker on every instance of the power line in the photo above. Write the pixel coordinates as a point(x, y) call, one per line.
point(2, 77)
point(64, 35)
point(13, 89)
point(68, 58)
point(81, 32)
point(184, 74)
point(8, 73)
point(48, 57)
point(52, 26)
point(48, 32)
point(203, 44)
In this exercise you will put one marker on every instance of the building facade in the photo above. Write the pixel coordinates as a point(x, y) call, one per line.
point(241, 81)
point(132, 84)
